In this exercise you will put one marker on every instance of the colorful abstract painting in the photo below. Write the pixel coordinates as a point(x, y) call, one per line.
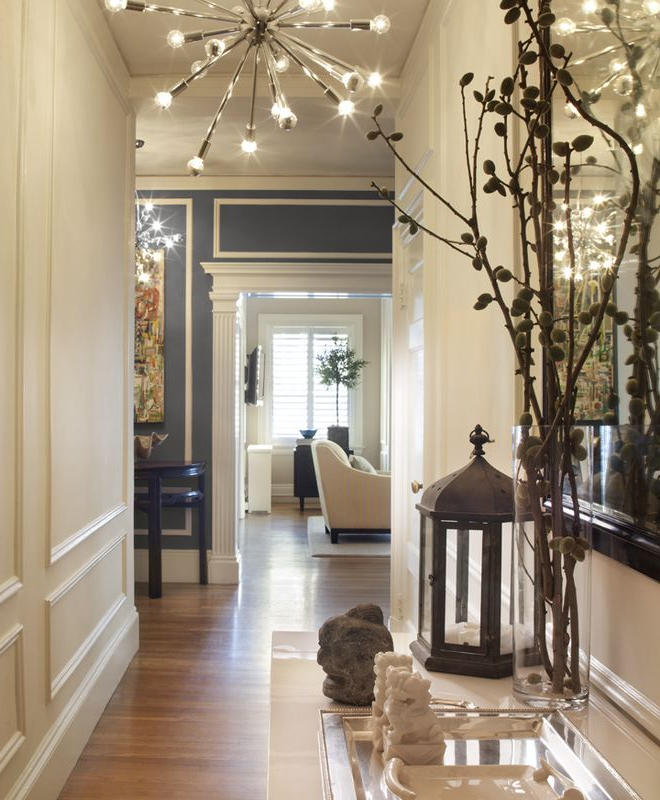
point(149, 371)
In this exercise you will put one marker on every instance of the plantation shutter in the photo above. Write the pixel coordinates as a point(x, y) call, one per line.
point(299, 400)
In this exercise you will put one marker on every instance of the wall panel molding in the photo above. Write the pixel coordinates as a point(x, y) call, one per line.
point(60, 550)
point(283, 203)
point(82, 709)
point(632, 702)
point(9, 588)
point(58, 678)
point(14, 695)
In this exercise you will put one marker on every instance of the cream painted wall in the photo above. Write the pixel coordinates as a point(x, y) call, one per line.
point(468, 358)
point(67, 617)
point(370, 309)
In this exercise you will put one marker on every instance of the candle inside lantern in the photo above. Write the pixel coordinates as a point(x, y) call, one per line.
point(469, 633)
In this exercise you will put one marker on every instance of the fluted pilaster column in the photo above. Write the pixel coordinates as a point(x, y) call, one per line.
point(224, 562)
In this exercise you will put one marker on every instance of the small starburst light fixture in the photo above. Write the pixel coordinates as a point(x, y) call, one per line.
point(262, 32)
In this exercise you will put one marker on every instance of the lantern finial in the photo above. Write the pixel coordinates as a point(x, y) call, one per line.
point(479, 437)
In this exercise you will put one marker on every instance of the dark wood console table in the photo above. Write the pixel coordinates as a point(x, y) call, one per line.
point(158, 497)
point(304, 477)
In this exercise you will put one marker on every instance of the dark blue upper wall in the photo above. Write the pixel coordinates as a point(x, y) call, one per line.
point(306, 226)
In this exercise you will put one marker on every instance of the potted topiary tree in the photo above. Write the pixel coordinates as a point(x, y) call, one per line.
point(339, 366)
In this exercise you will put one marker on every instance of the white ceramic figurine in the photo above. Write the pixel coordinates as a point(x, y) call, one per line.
point(379, 720)
point(414, 734)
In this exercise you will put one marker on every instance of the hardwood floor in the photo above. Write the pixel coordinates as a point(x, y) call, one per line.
point(190, 717)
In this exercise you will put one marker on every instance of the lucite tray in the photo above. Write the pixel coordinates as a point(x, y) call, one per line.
point(490, 755)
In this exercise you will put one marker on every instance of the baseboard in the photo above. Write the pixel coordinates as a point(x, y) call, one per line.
point(643, 711)
point(179, 566)
point(281, 490)
point(56, 755)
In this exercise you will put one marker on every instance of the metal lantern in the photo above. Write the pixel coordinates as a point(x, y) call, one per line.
point(463, 583)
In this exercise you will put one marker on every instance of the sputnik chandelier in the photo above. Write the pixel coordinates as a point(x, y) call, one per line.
point(264, 29)
point(628, 52)
point(591, 238)
point(151, 238)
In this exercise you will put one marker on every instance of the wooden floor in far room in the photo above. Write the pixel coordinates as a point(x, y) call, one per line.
point(189, 720)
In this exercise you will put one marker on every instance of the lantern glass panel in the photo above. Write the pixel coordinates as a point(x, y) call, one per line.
point(506, 642)
point(426, 587)
point(463, 587)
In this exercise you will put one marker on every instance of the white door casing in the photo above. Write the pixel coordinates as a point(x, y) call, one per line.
point(230, 280)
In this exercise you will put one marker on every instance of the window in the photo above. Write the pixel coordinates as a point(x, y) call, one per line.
point(295, 398)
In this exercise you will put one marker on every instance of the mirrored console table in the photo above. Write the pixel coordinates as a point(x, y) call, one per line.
point(294, 767)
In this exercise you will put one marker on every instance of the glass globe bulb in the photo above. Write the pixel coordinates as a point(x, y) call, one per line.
point(616, 65)
point(309, 5)
point(196, 66)
point(282, 63)
point(116, 5)
point(346, 107)
point(651, 6)
point(564, 26)
point(176, 39)
point(249, 146)
point(275, 110)
point(329, 5)
point(287, 120)
point(380, 24)
point(640, 110)
point(353, 81)
point(195, 165)
point(638, 149)
point(375, 79)
point(570, 111)
point(164, 100)
point(590, 6)
point(215, 47)
point(623, 85)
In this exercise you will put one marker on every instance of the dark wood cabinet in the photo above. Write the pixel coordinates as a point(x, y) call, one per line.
point(304, 477)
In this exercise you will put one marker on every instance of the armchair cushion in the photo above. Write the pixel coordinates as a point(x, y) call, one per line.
point(357, 462)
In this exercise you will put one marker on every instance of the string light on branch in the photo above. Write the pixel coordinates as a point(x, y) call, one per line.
point(266, 34)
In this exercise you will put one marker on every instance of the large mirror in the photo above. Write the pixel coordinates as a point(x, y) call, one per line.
point(616, 68)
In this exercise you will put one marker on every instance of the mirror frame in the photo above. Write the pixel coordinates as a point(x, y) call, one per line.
point(629, 544)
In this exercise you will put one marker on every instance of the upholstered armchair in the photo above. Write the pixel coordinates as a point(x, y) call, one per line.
point(352, 500)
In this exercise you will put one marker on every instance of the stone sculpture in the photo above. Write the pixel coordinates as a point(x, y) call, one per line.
point(379, 720)
point(414, 734)
point(348, 644)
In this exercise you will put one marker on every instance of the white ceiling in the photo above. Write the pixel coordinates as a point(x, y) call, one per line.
point(322, 144)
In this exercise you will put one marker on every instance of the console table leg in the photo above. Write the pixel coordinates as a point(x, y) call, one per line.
point(155, 522)
point(203, 567)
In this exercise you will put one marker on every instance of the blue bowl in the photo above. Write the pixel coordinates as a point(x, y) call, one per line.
point(308, 433)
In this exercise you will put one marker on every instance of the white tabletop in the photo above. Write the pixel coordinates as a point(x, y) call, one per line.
point(296, 697)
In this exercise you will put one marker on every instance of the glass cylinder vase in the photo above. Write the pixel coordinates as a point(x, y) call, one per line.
point(551, 563)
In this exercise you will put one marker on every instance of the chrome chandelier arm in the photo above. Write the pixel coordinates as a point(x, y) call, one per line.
point(281, 7)
point(140, 5)
point(253, 102)
point(203, 150)
point(274, 84)
point(352, 25)
point(199, 36)
point(309, 72)
point(320, 54)
point(217, 7)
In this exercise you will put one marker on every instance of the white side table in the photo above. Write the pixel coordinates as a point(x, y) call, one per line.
point(259, 458)
point(296, 697)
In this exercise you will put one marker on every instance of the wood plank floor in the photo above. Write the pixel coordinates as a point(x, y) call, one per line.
point(189, 719)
